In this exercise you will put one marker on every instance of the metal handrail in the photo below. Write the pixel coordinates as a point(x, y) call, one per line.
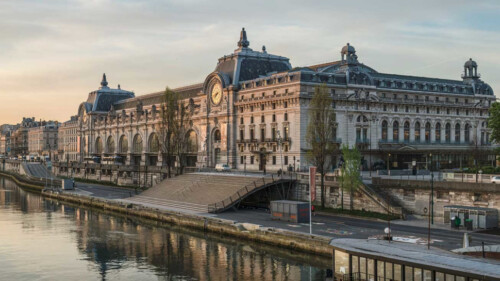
point(229, 200)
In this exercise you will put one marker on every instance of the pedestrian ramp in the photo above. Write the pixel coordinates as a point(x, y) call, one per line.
point(200, 192)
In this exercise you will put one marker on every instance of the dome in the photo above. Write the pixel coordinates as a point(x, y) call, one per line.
point(348, 49)
point(470, 63)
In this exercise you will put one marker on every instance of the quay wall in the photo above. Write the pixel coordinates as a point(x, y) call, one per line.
point(313, 244)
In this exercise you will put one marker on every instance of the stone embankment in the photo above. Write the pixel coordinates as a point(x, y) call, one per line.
point(277, 237)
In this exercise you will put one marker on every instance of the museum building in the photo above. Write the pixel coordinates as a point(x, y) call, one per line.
point(251, 112)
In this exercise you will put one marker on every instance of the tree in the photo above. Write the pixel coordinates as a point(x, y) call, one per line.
point(174, 118)
point(350, 174)
point(321, 133)
point(494, 122)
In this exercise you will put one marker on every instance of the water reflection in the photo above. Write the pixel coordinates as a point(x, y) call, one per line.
point(110, 247)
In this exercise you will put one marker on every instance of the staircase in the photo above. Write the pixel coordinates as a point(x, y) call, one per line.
point(36, 170)
point(192, 192)
point(383, 200)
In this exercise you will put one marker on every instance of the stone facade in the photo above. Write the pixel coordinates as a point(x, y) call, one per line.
point(251, 112)
point(68, 135)
point(42, 140)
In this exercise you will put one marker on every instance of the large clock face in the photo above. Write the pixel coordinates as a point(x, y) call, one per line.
point(216, 94)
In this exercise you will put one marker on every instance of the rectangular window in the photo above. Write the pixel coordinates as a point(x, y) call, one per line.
point(341, 262)
point(241, 159)
point(395, 108)
point(251, 107)
point(242, 134)
point(385, 107)
point(274, 117)
point(274, 104)
point(407, 109)
point(262, 135)
point(274, 160)
point(418, 110)
point(286, 116)
point(427, 109)
point(285, 158)
point(262, 119)
point(251, 159)
point(437, 111)
point(285, 104)
point(251, 134)
point(262, 107)
point(241, 120)
point(458, 111)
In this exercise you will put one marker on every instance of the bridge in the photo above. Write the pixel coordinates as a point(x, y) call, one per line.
point(214, 192)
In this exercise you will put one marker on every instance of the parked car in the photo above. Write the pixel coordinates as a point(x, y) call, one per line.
point(495, 179)
point(222, 168)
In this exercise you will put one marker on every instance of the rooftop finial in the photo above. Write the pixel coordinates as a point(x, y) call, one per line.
point(119, 88)
point(243, 43)
point(104, 83)
point(264, 49)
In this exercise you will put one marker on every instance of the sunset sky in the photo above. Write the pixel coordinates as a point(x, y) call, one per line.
point(53, 52)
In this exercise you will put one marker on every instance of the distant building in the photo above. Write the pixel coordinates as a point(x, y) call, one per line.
point(5, 143)
point(19, 137)
point(68, 140)
point(42, 140)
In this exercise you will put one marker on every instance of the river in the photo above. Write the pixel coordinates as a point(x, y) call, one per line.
point(43, 239)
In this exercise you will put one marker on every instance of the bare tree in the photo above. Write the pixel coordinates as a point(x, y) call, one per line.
point(174, 119)
point(321, 133)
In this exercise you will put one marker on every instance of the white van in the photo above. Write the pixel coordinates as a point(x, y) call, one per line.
point(222, 168)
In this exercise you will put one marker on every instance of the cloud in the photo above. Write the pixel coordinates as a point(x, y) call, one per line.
point(52, 53)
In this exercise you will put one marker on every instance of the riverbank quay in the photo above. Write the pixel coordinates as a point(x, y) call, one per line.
point(313, 244)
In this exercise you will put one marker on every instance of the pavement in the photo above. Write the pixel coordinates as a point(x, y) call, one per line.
point(328, 225)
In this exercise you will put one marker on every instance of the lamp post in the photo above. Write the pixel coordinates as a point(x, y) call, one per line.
point(388, 164)
point(431, 203)
point(281, 152)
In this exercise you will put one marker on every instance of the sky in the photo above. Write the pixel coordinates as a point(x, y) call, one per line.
point(54, 52)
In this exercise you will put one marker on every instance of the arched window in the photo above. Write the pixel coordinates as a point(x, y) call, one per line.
point(154, 143)
point(457, 132)
point(467, 133)
point(384, 130)
point(427, 132)
point(98, 145)
point(123, 144)
point(395, 131)
point(417, 132)
point(438, 132)
point(137, 145)
point(447, 132)
point(217, 136)
point(111, 145)
point(192, 138)
point(407, 131)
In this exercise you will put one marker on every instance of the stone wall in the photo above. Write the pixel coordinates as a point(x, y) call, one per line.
point(363, 199)
point(414, 195)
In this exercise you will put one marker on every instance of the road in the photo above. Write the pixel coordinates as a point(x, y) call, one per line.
point(348, 227)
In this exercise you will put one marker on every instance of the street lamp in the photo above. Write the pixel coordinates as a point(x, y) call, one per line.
point(388, 164)
point(281, 152)
point(431, 197)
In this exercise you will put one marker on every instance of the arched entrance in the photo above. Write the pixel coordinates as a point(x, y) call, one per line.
point(262, 159)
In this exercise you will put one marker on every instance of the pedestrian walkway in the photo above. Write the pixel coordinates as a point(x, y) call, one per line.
point(194, 192)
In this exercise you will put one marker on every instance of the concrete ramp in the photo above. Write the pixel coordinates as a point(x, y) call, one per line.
point(36, 170)
point(195, 192)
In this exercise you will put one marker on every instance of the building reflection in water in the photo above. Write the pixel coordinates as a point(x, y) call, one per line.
point(113, 243)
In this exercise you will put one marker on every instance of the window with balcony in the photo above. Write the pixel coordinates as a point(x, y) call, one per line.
point(384, 130)
point(395, 131)
point(457, 132)
point(427, 132)
point(417, 132)
point(447, 132)
point(438, 132)
point(242, 135)
point(273, 134)
point(467, 133)
point(251, 135)
point(407, 131)
point(286, 133)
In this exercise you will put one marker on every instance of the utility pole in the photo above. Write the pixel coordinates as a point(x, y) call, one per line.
point(431, 207)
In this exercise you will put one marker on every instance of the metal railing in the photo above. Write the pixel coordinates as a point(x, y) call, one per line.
point(229, 201)
point(382, 141)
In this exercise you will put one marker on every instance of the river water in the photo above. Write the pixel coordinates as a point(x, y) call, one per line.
point(42, 239)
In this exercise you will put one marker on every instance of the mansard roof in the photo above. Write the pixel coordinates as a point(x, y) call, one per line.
point(246, 64)
point(102, 99)
point(349, 71)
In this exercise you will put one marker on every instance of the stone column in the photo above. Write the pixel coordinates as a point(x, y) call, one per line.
point(433, 133)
